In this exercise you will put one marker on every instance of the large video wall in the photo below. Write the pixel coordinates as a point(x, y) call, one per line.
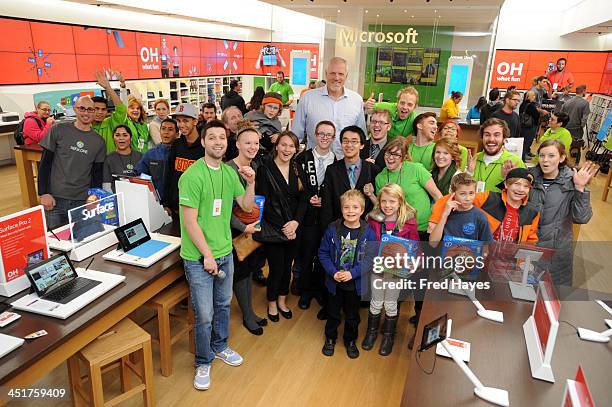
point(34, 52)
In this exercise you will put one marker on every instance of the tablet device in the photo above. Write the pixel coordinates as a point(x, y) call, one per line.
point(433, 333)
point(132, 235)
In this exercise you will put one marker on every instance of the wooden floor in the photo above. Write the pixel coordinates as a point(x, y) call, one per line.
point(285, 365)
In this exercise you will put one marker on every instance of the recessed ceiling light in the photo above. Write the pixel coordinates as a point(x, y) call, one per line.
point(338, 10)
point(405, 11)
point(435, 11)
point(377, 15)
point(366, 11)
point(411, 16)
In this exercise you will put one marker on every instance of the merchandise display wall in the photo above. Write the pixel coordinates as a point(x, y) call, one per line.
point(421, 63)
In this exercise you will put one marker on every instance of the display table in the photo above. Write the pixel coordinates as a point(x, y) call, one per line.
point(499, 355)
point(38, 357)
point(25, 158)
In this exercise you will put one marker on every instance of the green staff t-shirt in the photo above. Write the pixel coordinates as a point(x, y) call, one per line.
point(422, 154)
point(199, 186)
point(412, 177)
point(399, 127)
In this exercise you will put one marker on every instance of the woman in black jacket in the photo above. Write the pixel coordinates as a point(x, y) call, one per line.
point(530, 122)
point(277, 179)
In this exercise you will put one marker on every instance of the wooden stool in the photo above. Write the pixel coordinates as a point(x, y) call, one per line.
point(608, 184)
point(163, 304)
point(111, 350)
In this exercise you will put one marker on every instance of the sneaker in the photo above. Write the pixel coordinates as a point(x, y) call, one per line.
point(230, 357)
point(201, 380)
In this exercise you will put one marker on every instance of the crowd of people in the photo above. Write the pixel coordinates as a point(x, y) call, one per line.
point(326, 206)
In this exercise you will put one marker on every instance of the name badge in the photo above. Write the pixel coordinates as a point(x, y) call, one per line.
point(217, 207)
point(140, 144)
point(480, 186)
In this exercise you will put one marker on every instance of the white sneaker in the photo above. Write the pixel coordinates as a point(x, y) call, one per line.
point(201, 380)
point(230, 357)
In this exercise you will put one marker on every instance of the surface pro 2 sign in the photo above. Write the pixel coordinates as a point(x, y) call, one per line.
point(22, 243)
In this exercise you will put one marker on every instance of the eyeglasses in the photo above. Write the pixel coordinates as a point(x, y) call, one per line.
point(351, 142)
point(325, 135)
point(392, 155)
point(378, 123)
point(45, 110)
point(86, 109)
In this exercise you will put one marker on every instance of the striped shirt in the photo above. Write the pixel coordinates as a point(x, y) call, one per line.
point(316, 105)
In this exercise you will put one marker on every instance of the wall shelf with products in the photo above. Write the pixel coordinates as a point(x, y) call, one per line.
point(600, 108)
point(193, 90)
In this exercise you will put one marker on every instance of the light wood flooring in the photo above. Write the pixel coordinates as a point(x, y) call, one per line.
point(285, 367)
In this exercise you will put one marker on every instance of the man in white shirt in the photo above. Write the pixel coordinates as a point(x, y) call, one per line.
point(333, 102)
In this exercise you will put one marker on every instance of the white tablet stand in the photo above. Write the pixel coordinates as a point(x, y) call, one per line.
point(604, 306)
point(142, 204)
point(593, 336)
point(524, 290)
point(496, 316)
point(490, 394)
point(459, 291)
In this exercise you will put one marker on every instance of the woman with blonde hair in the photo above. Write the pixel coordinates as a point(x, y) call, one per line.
point(162, 112)
point(136, 121)
point(394, 216)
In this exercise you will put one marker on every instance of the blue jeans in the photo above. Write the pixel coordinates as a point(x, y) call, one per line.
point(58, 216)
point(210, 297)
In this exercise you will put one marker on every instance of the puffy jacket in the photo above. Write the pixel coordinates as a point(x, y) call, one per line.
point(560, 206)
point(329, 255)
point(493, 204)
point(34, 130)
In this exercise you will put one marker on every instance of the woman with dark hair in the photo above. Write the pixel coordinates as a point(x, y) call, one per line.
point(123, 160)
point(529, 117)
point(447, 158)
point(247, 143)
point(277, 179)
point(450, 108)
point(256, 99)
point(560, 195)
point(474, 113)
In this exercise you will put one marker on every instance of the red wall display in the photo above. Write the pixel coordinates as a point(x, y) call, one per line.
point(518, 67)
point(38, 52)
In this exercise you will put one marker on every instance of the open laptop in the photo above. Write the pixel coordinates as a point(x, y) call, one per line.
point(56, 280)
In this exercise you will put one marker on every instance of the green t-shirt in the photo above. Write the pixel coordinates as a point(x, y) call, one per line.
point(464, 157)
point(422, 154)
point(199, 186)
point(399, 127)
point(562, 134)
point(105, 128)
point(284, 89)
point(140, 135)
point(491, 174)
point(412, 177)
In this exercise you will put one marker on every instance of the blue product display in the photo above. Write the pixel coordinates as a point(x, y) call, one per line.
point(466, 254)
point(409, 250)
point(148, 248)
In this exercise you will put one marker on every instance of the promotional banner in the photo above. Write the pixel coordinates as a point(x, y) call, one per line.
point(22, 242)
point(519, 67)
point(37, 52)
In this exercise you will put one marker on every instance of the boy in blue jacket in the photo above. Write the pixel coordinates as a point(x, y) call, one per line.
point(345, 255)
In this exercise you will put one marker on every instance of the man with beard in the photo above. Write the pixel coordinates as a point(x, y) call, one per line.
point(424, 127)
point(231, 116)
point(403, 112)
point(561, 79)
point(373, 149)
point(207, 191)
point(507, 113)
point(491, 165)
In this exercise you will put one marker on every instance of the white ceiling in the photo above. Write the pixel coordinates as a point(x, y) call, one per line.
point(474, 14)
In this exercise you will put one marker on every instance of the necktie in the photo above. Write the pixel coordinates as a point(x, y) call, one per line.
point(320, 170)
point(353, 175)
point(374, 149)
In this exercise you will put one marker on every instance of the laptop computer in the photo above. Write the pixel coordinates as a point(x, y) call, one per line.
point(56, 280)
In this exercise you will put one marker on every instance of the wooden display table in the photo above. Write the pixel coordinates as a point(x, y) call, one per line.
point(26, 157)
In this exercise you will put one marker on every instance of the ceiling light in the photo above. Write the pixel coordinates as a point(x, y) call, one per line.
point(405, 11)
point(338, 10)
point(366, 11)
point(377, 15)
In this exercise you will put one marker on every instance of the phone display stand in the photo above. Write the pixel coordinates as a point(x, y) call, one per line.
point(459, 291)
point(594, 336)
point(490, 394)
point(482, 312)
point(523, 290)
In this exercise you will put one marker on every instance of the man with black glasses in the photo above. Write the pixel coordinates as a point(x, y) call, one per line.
point(72, 162)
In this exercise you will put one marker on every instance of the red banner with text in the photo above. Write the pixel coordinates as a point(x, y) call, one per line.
point(37, 52)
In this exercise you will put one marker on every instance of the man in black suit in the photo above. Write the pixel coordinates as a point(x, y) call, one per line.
point(350, 172)
point(380, 124)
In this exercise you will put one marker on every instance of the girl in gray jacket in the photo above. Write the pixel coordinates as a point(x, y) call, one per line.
point(561, 197)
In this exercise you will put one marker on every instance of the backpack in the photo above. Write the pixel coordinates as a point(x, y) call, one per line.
point(18, 134)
